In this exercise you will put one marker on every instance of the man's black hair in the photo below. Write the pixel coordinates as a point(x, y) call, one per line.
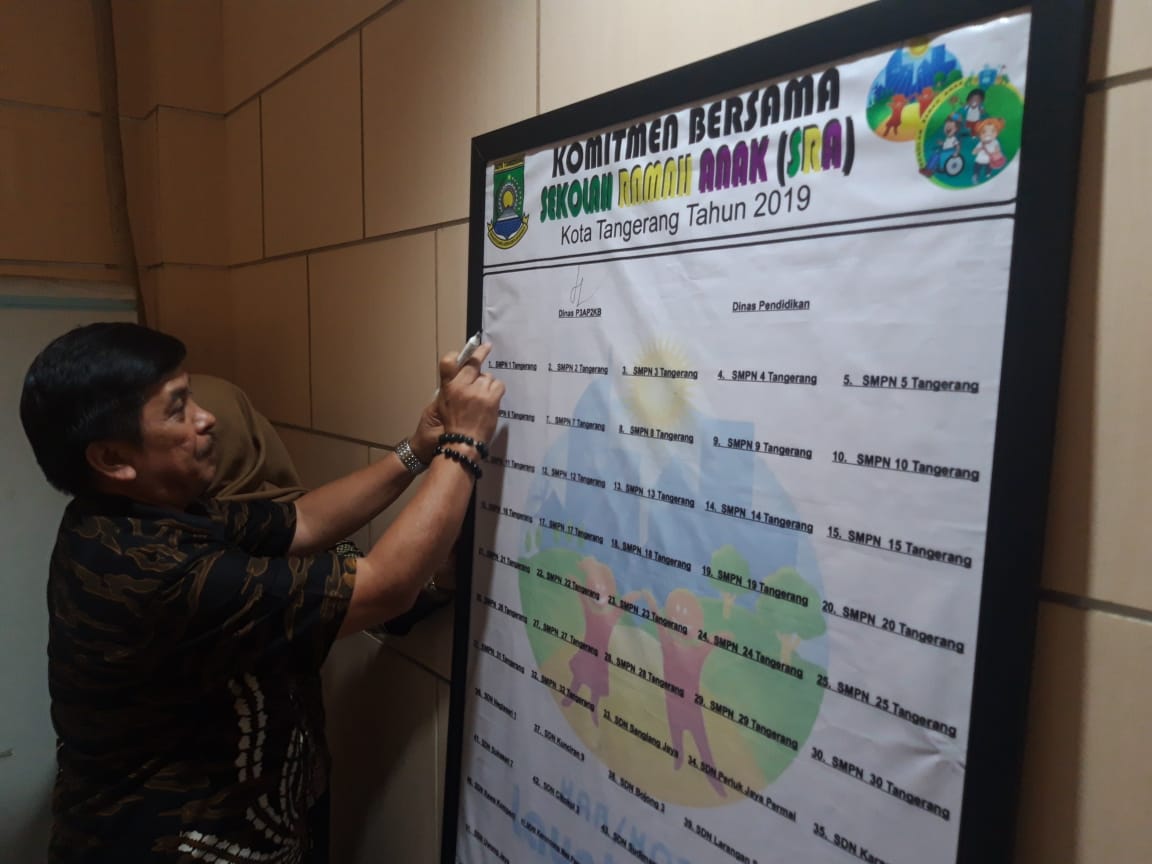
point(89, 385)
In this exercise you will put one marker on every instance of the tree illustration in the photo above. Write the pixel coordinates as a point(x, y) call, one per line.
point(791, 621)
point(732, 563)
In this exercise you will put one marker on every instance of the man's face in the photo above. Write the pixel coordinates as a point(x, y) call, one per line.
point(176, 458)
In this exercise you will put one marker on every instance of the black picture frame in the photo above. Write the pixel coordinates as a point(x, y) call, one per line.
point(1031, 362)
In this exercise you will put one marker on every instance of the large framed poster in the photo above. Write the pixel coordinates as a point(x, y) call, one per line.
point(754, 559)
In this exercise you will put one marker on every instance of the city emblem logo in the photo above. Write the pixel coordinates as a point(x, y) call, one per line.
point(509, 222)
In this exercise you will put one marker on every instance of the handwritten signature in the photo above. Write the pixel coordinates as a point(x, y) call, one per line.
point(576, 292)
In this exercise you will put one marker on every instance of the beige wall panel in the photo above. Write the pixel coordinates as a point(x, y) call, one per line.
point(1101, 502)
point(1087, 788)
point(1122, 38)
point(242, 183)
point(138, 144)
point(190, 169)
point(48, 53)
point(582, 55)
point(451, 288)
point(195, 305)
point(271, 334)
point(55, 206)
point(382, 730)
point(373, 337)
point(312, 177)
point(320, 459)
point(132, 30)
point(188, 47)
point(437, 72)
point(264, 39)
point(429, 642)
point(169, 52)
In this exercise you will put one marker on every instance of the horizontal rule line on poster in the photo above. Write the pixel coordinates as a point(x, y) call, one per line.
point(901, 465)
point(577, 423)
point(557, 741)
point(640, 733)
point(494, 702)
point(721, 844)
point(500, 559)
point(485, 843)
point(763, 448)
point(746, 722)
point(758, 586)
point(875, 781)
point(495, 751)
point(504, 510)
point(567, 583)
point(497, 654)
point(477, 787)
point(848, 847)
point(570, 530)
point(634, 790)
point(488, 602)
point(564, 636)
point(556, 686)
point(676, 246)
point(868, 540)
point(573, 477)
point(753, 655)
point(761, 376)
point(857, 694)
point(656, 434)
point(570, 368)
point(505, 462)
point(760, 517)
point(651, 494)
point(642, 674)
point(914, 384)
point(648, 553)
point(713, 773)
point(857, 615)
point(552, 791)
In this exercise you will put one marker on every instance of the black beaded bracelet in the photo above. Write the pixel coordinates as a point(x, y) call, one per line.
point(457, 456)
point(457, 438)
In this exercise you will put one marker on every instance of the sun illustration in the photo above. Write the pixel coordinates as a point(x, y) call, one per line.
point(659, 394)
point(917, 48)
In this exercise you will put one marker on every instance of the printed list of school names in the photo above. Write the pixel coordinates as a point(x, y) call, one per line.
point(852, 767)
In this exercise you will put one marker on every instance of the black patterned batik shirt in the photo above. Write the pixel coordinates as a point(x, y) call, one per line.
point(184, 654)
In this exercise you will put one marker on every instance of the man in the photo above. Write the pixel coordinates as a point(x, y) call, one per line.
point(186, 635)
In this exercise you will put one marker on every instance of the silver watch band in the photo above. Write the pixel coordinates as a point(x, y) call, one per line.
point(409, 459)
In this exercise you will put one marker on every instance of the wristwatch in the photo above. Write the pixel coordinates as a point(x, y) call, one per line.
point(409, 459)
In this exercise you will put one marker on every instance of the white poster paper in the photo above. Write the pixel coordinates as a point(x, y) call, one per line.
point(729, 546)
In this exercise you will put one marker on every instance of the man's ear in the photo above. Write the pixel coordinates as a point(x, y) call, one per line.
point(111, 460)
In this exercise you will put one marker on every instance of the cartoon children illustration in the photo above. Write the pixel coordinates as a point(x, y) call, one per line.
point(600, 617)
point(989, 155)
point(898, 103)
point(684, 656)
point(974, 110)
point(924, 100)
point(946, 148)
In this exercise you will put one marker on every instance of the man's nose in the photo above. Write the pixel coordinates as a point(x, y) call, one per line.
point(205, 420)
